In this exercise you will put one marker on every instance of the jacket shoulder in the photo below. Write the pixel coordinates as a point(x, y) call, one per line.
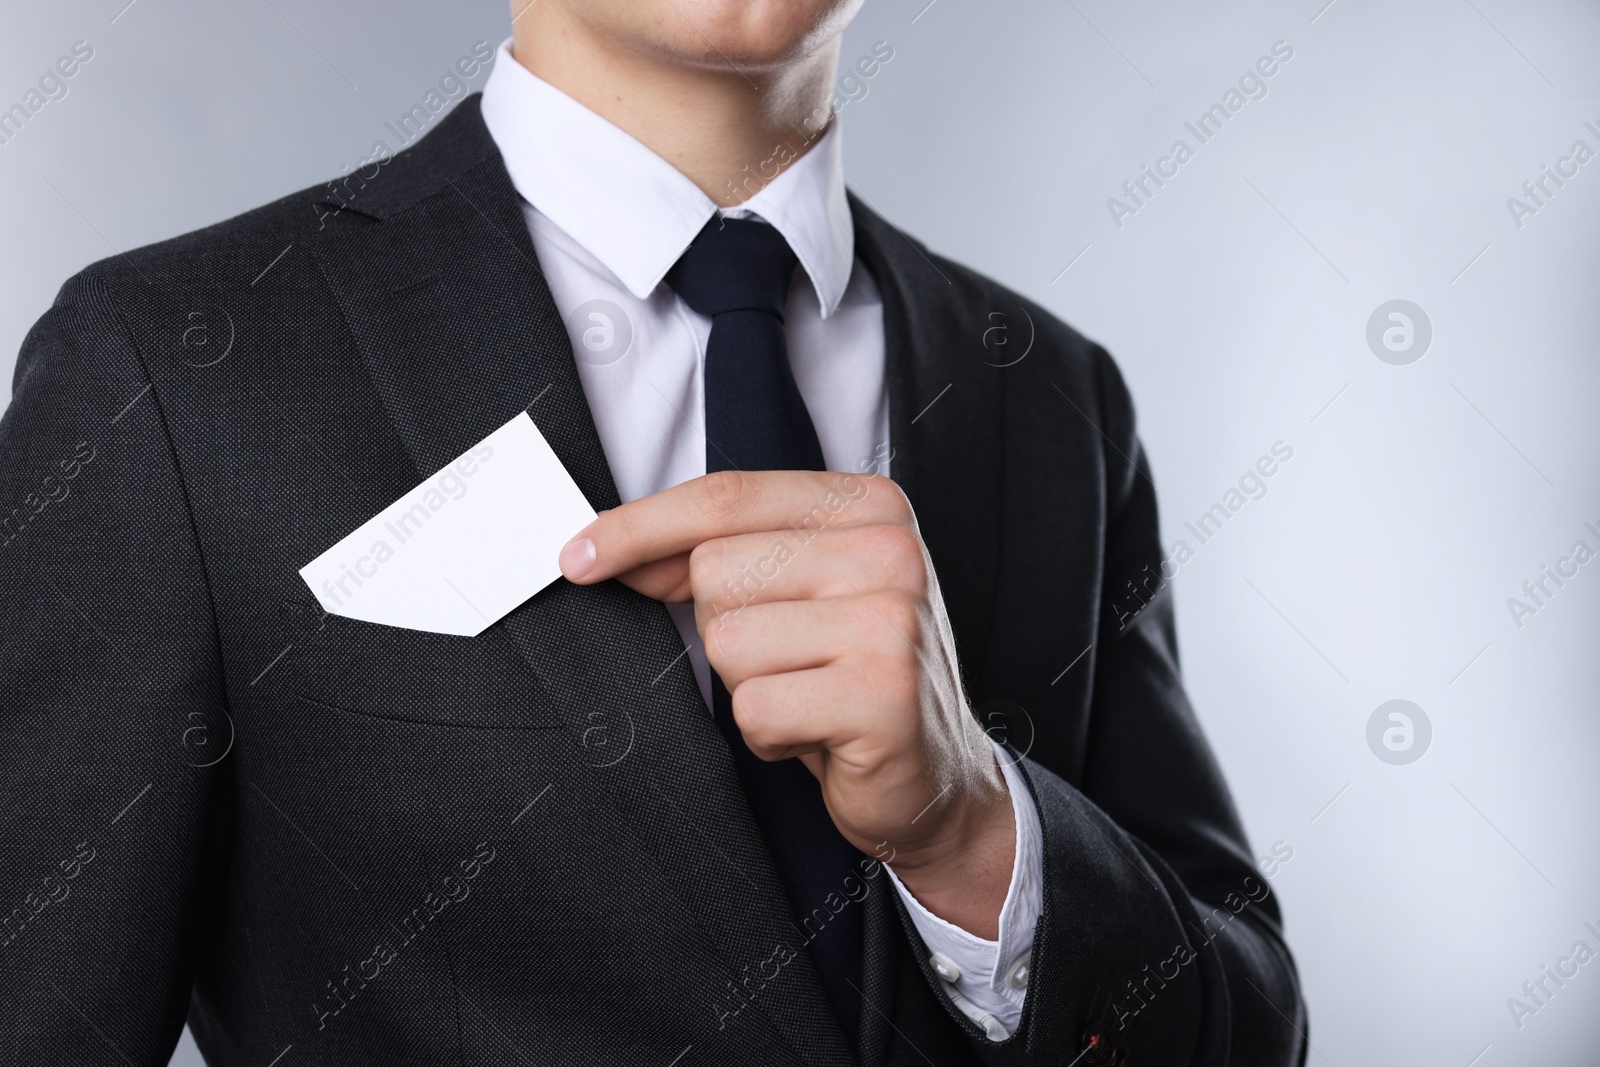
point(983, 299)
point(216, 256)
point(971, 309)
point(1027, 342)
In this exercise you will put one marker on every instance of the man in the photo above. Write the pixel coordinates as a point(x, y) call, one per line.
point(896, 775)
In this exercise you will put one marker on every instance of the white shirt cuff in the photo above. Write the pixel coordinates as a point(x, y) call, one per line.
point(988, 980)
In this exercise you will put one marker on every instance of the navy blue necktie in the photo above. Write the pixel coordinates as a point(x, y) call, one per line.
point(737, 271)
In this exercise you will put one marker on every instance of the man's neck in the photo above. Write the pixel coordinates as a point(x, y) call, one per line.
point(730, 133)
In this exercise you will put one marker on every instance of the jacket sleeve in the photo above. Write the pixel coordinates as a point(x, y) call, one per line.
point(112, 719)
point(1159, 941)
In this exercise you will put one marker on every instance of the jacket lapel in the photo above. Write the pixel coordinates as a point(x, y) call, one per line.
point(452, 317)
point(945, 402)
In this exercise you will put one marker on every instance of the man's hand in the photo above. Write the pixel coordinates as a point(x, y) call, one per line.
point(819, 609)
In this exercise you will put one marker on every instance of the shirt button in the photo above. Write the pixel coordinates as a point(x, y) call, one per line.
point(944, 967)
point(1017, 973)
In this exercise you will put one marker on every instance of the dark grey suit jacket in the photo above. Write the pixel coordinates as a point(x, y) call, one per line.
point(330, 842)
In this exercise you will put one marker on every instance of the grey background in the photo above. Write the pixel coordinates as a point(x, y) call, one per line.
point(1377, 567)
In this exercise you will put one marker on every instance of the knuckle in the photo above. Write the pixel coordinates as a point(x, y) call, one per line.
point(899, 680)
point(724, 493)
point(890, 626)
point(721, 638)
point(750, 706)
point(905, 616)
point(706, 562)
point(897, 552)
point(888, 495)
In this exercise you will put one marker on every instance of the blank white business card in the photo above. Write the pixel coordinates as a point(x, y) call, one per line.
point(464, 548)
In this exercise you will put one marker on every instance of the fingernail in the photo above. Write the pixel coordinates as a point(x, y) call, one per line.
point(577, 559)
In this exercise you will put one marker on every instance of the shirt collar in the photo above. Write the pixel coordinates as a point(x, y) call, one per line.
point(634, 211)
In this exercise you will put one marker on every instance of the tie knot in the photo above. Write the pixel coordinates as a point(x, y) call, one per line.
point(734, 265)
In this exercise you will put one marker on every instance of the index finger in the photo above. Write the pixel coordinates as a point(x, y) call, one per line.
point(724, 504)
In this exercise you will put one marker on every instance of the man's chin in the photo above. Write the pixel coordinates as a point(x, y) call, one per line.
point(732, 35)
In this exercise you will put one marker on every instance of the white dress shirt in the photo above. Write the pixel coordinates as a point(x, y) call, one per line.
point(608, 219)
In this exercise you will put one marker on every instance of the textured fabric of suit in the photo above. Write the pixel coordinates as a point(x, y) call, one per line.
point(340, 843)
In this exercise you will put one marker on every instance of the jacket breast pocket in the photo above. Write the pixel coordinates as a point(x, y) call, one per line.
point(412, 676)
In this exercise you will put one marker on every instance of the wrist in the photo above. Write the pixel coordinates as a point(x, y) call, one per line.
point(964, 875)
